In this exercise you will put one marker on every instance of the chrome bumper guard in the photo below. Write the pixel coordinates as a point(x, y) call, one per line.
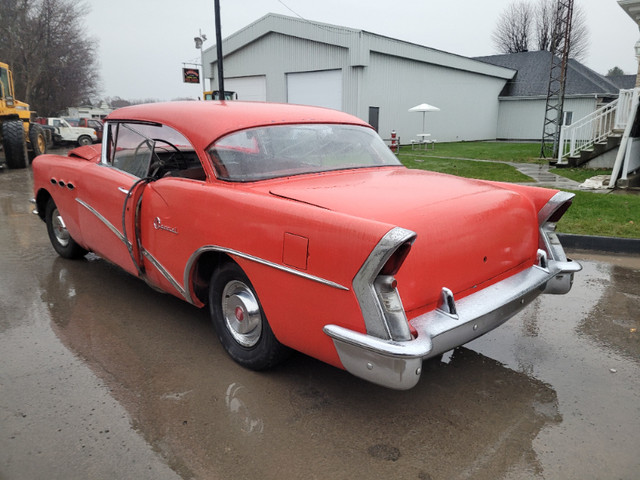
point(398, 364)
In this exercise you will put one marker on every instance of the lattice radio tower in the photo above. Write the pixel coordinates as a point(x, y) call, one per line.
point(560, 46)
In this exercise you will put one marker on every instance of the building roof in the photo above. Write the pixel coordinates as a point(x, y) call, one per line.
point(359, 44)
point(532, 77)
point(624, 81)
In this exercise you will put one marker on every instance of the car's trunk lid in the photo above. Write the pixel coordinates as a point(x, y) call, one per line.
point(470, 233)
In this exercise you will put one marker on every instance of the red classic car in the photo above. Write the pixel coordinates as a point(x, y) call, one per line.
point(301, 230)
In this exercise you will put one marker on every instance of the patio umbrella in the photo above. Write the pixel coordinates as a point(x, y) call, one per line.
point(424, 108)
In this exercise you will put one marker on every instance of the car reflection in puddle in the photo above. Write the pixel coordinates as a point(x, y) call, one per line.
point(240, 413)
point(234, 423)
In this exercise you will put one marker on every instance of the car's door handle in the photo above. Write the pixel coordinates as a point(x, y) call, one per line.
point(123, 190)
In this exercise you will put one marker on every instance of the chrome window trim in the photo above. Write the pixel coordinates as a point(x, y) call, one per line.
point(363, 286)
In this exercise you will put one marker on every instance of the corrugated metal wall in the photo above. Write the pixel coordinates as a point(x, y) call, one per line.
point(376, 72)
point(468, 101)
point(523, 119)
point(266, 57)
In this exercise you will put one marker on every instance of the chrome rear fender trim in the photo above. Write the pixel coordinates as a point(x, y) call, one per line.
point(234, 253)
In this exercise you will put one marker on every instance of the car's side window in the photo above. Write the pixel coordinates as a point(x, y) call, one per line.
point(133, 151)
point(152, 150)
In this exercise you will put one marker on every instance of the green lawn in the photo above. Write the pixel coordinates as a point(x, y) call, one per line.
point(503, 151)
point(610, 215)
point(580, 174)
point(465, 168)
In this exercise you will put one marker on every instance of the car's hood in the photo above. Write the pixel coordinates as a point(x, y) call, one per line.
point(470, 233)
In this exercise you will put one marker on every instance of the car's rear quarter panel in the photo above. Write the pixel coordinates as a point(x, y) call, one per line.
point(257, 224)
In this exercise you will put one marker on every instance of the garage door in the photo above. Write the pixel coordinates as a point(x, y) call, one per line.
point(323, 89)
point(248, 88)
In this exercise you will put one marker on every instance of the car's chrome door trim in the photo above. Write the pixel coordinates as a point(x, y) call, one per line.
point(246, 256)
point(186, 291)
point(163, 271)
point(108, 224)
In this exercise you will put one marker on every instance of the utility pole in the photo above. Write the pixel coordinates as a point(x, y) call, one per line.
point(560, 47)
point(219, 50)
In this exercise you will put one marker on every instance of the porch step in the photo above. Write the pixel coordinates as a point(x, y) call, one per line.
point(590, 153)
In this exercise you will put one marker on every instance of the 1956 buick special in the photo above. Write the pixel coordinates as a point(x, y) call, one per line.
point(300, 229)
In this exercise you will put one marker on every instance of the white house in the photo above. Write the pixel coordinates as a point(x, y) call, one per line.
point(523, 99)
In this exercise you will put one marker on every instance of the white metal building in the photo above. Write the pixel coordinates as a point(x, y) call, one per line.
point(291, 60)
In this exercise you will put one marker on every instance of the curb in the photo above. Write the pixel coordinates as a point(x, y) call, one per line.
point(601, 244)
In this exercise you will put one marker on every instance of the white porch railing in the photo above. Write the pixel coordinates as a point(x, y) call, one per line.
point(596, 126)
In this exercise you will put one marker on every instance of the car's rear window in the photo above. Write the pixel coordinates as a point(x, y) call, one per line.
point(283, 150)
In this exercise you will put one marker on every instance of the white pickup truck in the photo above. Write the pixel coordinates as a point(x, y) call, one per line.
point(66, 133)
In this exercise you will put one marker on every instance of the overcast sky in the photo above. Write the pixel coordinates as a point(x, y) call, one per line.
point(143, 43)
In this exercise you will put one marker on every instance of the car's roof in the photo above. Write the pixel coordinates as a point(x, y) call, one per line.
point(204, 121)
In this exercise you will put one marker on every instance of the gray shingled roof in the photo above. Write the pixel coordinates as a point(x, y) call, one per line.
point(624, 81)
point(532, 77)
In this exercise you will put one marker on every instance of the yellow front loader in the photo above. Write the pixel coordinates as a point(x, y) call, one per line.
point(21, 138)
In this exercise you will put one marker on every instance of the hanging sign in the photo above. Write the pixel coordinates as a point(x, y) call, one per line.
point(190, 75)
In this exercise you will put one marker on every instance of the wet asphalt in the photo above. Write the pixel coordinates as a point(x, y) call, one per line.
point(102, 377)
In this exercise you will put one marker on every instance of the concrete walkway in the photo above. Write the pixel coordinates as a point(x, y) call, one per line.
point(543, 177)
point(538, 172)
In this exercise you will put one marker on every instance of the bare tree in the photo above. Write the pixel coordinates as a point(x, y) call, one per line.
point(545, 19)
point(514, 26)
point(537, 26)
point(53, 59)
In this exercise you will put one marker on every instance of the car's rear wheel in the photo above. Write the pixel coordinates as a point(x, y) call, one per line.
point(240, 322)
point(84, 140)
point(62, 241)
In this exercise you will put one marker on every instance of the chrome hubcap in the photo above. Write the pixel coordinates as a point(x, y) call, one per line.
point(241, 313)
point(59, 228)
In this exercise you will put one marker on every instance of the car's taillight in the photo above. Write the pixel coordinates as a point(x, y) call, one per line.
point(547, 218)
point(376, 287)
point(394, 263)
point(386, 287)
point(560, 211)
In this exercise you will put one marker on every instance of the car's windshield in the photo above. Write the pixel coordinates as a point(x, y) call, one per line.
point(270, 152)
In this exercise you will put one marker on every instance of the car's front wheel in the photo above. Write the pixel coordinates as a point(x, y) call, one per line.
point(62, 241)
point(240, 322)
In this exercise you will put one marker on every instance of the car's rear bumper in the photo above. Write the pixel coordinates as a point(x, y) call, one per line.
point(398, 365)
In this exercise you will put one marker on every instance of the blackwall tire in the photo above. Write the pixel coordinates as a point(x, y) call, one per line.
point(84, 140)
point(38, 140)
point(240, 322)
point(62, 242)
point(14, 144)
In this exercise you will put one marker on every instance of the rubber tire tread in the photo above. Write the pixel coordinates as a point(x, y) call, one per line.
point(14, 144)
point(84, 140)
point(268, 352)
point(36, 132)
point(72, 250)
